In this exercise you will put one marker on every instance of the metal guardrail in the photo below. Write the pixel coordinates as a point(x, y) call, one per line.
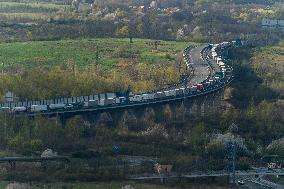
point(33, 159)
point(132, 104)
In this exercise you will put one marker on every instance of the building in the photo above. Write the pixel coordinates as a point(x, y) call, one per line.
point(269, 23)
point(163, 169)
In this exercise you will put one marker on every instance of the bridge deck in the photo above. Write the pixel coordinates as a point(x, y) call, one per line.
point(193, 175)
point(143, 103)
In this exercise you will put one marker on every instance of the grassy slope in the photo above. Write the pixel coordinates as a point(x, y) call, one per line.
point(83, 52)
point(269, 65)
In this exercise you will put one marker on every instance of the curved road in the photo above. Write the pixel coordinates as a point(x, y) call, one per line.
point(199, 65)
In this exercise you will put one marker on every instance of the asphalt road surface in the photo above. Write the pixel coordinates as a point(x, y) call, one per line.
point(199, 65)
point(260, 183)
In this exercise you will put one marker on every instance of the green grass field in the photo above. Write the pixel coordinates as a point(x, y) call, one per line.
point(83, 52)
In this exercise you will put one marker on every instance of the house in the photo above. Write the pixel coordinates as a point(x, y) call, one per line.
point(163, 169)
point(269, 23)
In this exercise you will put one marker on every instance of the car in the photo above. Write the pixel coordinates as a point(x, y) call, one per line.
point(241, 182)
point(69, 106)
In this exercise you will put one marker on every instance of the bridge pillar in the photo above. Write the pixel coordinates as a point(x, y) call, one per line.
point(129, 119)
point(199, 106)
point(210, 104)
point(62, 119)
point(182, 110)
point(194, 107)
point(163, 180)
point(202, 106)
point(207, 104)
point(105, 118)
point(43, 165)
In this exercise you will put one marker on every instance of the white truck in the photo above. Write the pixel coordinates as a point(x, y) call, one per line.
point(57, 106)
point(39, 108)
point(19, 109)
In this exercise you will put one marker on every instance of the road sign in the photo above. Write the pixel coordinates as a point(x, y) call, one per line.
point(238, 42)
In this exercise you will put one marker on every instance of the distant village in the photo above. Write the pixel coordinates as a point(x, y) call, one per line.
point(272, 23)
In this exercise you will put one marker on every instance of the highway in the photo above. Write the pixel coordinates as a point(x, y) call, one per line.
point(240, 174)
point(260, 182)
point(199, 65)
point(129, 105)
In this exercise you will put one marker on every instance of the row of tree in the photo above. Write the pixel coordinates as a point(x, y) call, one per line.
point(66, 82)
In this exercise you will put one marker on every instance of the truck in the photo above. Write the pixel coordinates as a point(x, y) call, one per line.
point(208, 83)
point(109, 101)
point(39, 108)
point(135, 98)
point(149, 96)
point(19, 109)
point(217, 78)
point(101, 102)
point(193, 88)
point(221, 63)
point(170, 92)
point(218, 59)
point(120, 100)
point(178, 92)
point(91, 103)
point(145, 96)
point(219, 74)
point(200, 87)
point(222, 66)
point(56, 106)
point(160, 95)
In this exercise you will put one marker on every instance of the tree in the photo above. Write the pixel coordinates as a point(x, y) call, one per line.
point(48, 132)
point(74, 128)
point(29, 35)
point(167, 113)
point(276, 147)
point(198, 138)
point(123, 32)
point(223, 141)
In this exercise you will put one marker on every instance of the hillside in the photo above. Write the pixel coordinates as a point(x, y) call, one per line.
point(66, 48)
point(49, 69)
point(84, 52)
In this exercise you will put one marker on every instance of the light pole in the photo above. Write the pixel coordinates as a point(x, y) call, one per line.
point(232, 159)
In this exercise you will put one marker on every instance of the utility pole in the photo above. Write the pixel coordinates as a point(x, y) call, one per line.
point(232, 164)
point(97, 55)
point(74, 68)
point(131, 32)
